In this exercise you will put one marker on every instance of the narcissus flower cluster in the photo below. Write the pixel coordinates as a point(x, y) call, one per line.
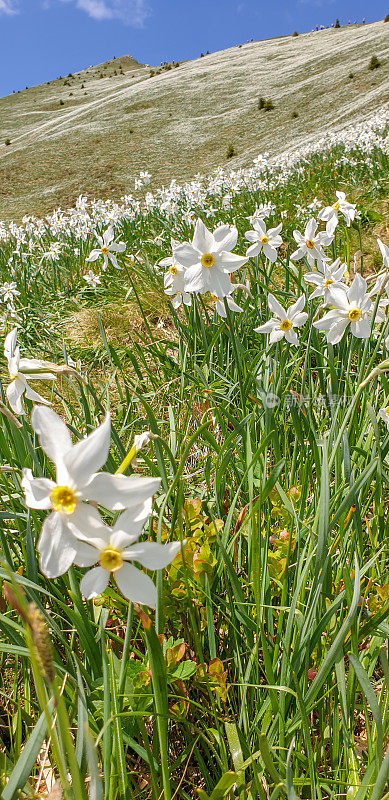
point(74, 532)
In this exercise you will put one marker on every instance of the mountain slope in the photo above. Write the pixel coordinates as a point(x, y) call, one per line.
point(94, 131)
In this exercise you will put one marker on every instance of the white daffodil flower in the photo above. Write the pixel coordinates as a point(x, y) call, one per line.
point(92, 279)
point(208, 261)
point(174, 283)
point(384, 414)
point(145, 177)
point(113, 549)
point(53, 253)
point(107, 249)
point(327, 276)
point(22, 370)
point(174, 279)
point(220, 307)
point(311, 244)
point(268, 241)
point(261, 212)
point(352, 307)
point(77, 482)
point(141, 440)
point(283, 323)
point(330, 214)
point(9, 292)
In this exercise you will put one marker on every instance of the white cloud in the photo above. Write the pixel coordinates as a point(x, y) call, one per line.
point(8, 7)
point(131, 12)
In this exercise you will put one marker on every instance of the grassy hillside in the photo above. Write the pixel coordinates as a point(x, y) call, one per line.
point(94, 131)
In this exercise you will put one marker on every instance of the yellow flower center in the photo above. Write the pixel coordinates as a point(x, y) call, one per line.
point(336, 206)
point(111, 559)
point(310, 244)
point(104, 250)
point(63, 499)
point(208, 260)
point(173, 270)
point(286, 325)
point(354, 315)
point(264, 239)
point(328, 282)
point(387, 411)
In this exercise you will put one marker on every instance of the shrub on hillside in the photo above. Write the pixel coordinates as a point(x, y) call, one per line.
point(265, 105)
point(351, 75)
point(7, 142)
point(61, 102)
point(337, 24)
point(231, 152)
point(295, 33)
point(386, 18)
point(294, 114)
point(374, 63)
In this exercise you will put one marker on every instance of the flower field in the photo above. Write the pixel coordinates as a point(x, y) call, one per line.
point(195, 481)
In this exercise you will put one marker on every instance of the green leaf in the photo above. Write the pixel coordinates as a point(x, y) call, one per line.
point(224, 785)
point(368, 690)
point(27, 760)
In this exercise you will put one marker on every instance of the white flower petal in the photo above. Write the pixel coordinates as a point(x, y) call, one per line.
point(14, 394)
point(108, 236)
point(36, 490)
point(88, 455)
point(194, 280)
point(252, 236)
point(336, 332)
point(186, 255)
point(120, 491)
point(11, 338)
point(276, 335)
point(86, 555)
point(86, 524)
point(226, 238)
point(253, 250)
point(35, 397)
point(136, 586)
point(357, 290)
point(310, 229)
point(56, 546)
point(296, 307)
point(93, 256)
point(300, 319)
point(229, 261)
point(117, 247)
point(276, 307)
point(94, 582)
point(128, 527)
point(270, 253)
point(203, 239)
point(361, 329)
point(151, 554)
point(291, 337)
point(54, 437)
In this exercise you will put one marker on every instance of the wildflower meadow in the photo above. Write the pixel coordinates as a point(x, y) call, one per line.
point(194, 483)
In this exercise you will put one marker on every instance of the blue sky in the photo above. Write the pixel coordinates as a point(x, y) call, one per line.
point(41, 39)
